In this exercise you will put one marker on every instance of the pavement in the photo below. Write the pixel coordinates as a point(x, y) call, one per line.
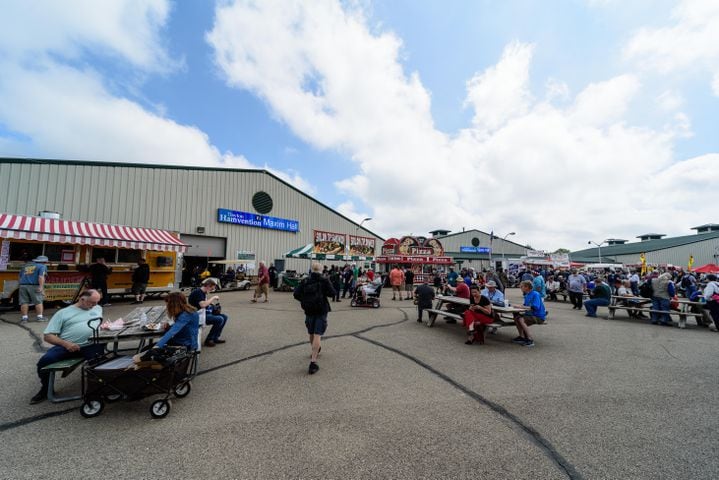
point(596, 398)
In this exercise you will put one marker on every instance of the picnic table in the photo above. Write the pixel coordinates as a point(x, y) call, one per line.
point(135, 331)
point(639, 305)
point(504, 315)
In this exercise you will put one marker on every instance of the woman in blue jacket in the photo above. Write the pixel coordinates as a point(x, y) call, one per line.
point(184, 332)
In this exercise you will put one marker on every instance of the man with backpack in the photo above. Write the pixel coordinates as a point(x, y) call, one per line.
point(312, 293)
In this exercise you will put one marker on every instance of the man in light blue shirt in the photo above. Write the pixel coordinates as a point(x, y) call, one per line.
point(69, 333)
point(539, 285)
point(31, 290)
point(491, 291)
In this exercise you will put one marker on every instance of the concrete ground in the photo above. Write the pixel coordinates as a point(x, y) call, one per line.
point(595, 398)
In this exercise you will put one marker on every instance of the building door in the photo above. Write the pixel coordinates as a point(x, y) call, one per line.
point(200, 251)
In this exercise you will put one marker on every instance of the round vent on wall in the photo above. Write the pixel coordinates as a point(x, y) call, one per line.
point(262, 202)
point(475, 242)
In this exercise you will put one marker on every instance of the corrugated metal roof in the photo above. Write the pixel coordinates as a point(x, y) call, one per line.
point(646, 246)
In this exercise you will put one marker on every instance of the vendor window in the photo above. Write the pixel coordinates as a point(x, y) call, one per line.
point(55, 253)
point(109, 254)
point(125, 255)
point(20, 250)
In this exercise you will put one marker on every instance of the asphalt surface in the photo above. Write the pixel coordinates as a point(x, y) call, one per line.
point(595, 398)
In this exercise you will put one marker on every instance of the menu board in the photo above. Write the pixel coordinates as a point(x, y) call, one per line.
point(363, 246)
point(329, 243)
point(4, 254)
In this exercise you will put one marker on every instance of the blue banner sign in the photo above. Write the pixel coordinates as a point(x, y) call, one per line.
point(255, 220)
point(475, 249)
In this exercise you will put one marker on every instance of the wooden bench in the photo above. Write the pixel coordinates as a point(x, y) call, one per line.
point(682, 315)
point(562, 293)
point(499, 321)
point(433, 313)
point(66, 367)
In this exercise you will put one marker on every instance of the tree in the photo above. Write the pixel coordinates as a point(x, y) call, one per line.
point(561, 250)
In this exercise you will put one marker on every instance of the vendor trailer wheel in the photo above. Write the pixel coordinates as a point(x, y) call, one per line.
point(375, 303)
point(91, 408)
point(160, 408)
point(183, 389)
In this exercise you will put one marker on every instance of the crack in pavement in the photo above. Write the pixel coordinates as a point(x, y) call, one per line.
point(36, 340)
point(531, 433)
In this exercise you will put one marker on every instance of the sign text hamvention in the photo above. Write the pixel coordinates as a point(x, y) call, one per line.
point(255, 220)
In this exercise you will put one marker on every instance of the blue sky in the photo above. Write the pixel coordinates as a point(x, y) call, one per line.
point(476, 114)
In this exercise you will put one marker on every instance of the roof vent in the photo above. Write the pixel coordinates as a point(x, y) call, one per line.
point(709, 227)
point(651, 236)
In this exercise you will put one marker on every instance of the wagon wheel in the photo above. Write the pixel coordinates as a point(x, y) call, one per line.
point(113, 397)
point(183, 389)
point(375, 303)
point(353, 303)
point(92, 408)
point(160, 408)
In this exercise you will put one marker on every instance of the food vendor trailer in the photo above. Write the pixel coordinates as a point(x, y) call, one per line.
point(423, 255)
point(72, 245)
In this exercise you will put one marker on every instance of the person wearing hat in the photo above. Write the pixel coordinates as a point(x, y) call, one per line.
point(495, 296)
point(199, 299)
point(32, 287)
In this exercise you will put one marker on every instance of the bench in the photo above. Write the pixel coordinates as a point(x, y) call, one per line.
point(66, 366)
point(562, 293)
point(682, 315)
point(433, 313)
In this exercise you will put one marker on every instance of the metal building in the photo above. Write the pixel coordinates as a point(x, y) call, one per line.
point(213, 209)
point(702, 246)
point(468, 248)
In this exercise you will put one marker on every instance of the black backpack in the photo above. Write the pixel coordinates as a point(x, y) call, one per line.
point(686, 282)
point(646, 290)
point(313, 298)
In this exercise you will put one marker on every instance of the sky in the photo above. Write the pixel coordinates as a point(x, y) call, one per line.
point(564, 121)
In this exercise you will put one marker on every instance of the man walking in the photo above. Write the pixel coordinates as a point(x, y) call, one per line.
point(263, 283)
point(312, 294)
point(32, 287)
point(576, 286)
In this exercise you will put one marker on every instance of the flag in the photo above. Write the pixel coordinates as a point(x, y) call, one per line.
point(691, 262)
point(491, 237)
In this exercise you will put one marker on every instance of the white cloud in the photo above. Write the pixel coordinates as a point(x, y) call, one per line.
point(502, 91)
point(715, 84)
point(62, 111)
point(690, 44)
point(670, 101)
point(129, 29)
point(556, 175)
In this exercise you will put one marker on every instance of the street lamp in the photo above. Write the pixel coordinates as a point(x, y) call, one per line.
point(599, 248)
point(360, 225)
point(503, 240)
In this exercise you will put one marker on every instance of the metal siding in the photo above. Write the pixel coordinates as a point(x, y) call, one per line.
point(703, 252)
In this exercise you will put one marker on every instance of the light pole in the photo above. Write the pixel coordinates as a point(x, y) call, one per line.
point(503, 240)
point(360, 225)
point(599, 248)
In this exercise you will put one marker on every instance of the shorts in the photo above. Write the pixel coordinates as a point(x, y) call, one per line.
point(396, 288)
point(408, 288)
point(530, 319)
point(262, 288)
point(28, 295)
point(139, 288)
point(316, 324)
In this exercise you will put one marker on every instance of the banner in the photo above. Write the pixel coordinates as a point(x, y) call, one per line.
point(364, 246)
point(559, 259)
point(4, 254)
point(329, 243)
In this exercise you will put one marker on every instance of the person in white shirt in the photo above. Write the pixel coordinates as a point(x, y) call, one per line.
point(710, 291)
point(495, 296)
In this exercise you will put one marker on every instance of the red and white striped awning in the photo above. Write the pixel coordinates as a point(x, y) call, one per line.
point(23, 227)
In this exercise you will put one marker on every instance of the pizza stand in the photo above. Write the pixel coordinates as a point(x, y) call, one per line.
point(423, 255)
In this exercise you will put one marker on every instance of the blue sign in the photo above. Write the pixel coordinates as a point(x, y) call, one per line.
point(255, 220)
point(475, 249)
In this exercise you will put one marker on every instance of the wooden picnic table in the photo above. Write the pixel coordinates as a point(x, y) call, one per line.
point(503, 312)
point(640, 302)
point(135, 331)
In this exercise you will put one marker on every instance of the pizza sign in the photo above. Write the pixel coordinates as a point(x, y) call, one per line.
point(329, 243)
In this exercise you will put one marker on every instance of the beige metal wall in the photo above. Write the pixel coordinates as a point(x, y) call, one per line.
point(169, 198)
point(453, 242)
point(704, 252)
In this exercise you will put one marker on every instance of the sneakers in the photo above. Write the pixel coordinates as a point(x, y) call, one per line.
point(41, 318)
point(23, 319)
point(528, 343)
point(218, 341)
point(313, 368)
point(519, 340)
point(41, 396)
point(209, 343)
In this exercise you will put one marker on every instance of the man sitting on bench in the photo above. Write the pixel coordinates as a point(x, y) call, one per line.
point(69, 334)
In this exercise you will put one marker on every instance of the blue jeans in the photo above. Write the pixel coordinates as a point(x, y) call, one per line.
point(660, 304)
point(218, 323)
point(592, 304)
point(57, 353)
